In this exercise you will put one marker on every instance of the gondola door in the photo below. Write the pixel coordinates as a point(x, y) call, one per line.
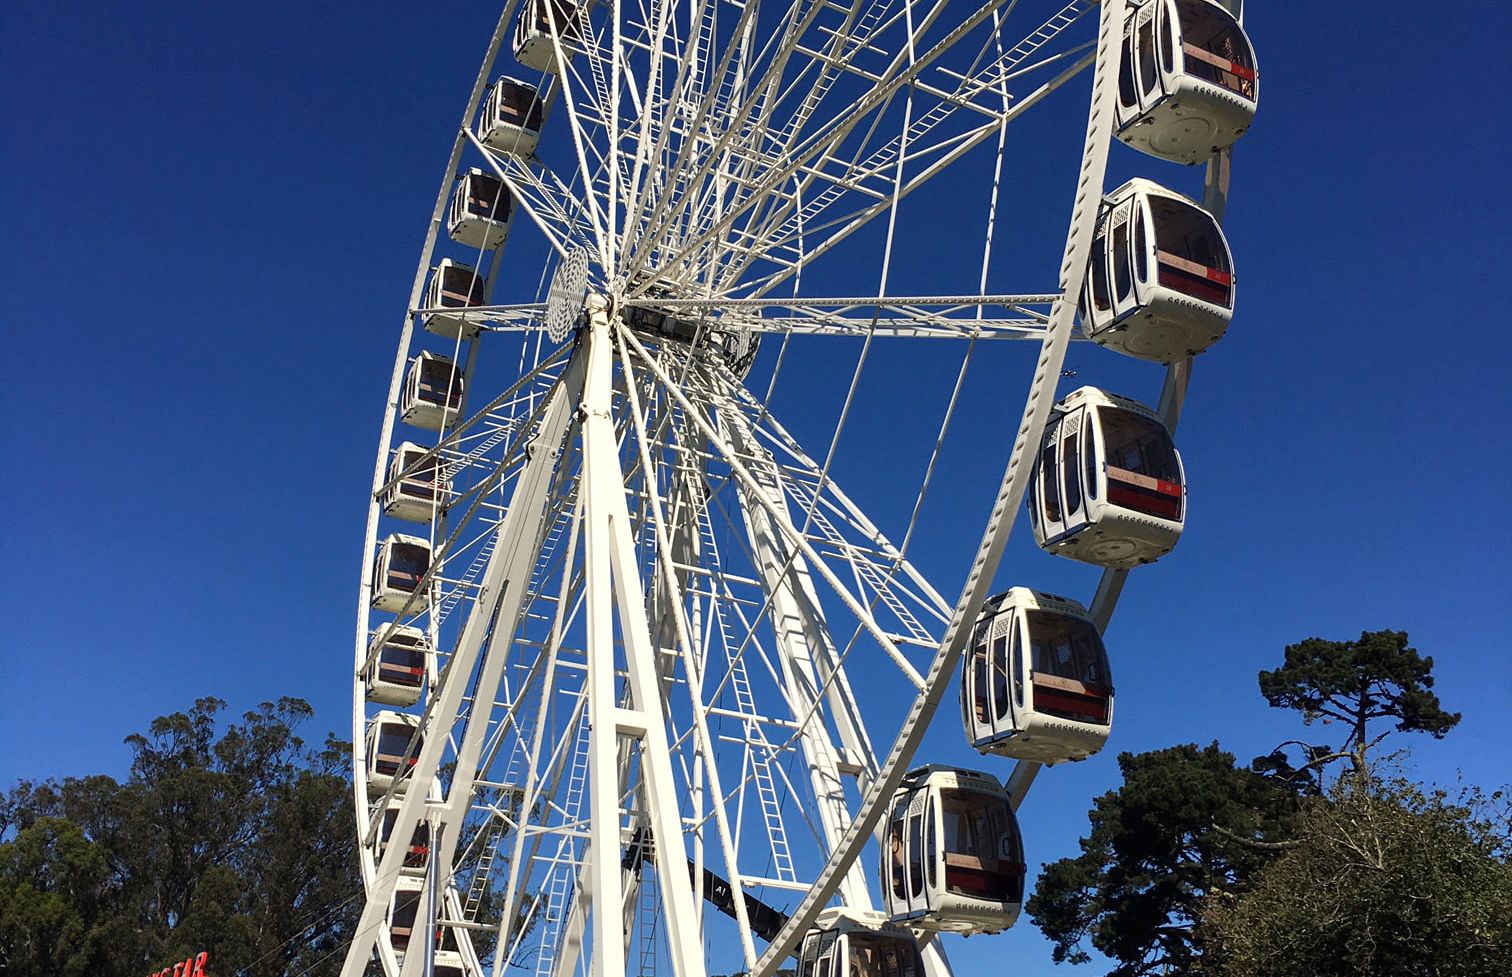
point(1047, 492)
point(1121, 257)
point(1093, 488)
point(1073, 501)
point(1142, 250)
point(1146, 69)
point(1168, 45)
point(910, 855)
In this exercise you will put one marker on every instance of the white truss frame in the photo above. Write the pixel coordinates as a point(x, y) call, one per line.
point(582, 548)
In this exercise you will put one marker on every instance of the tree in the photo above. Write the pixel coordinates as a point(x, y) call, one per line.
point(237, 841)
point(1186, 824)
point(1355, 683)
point(1387, 880)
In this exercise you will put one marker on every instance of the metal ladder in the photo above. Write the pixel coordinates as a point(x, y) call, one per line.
point(648, 920)
point(761, 750)
point(493, 833)
point(564, 864)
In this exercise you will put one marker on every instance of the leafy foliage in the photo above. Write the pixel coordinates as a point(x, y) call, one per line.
point(1387, 880)
point(1378, 676)
point(1186, 824)
point(240, 842)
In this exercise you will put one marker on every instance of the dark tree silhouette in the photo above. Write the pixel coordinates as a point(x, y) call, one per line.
point(1379, 676)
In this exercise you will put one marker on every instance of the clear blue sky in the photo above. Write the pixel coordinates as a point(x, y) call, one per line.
point(211, 217)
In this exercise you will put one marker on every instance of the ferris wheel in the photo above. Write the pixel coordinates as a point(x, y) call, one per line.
point(638, 682)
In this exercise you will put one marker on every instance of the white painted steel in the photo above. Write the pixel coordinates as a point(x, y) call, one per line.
point(623, 644)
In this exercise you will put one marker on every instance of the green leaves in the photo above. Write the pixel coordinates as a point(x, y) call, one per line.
point(1379, 676)
point(230, 837)
point(1387, 880)
point(1196, 866)
point(1181, 828)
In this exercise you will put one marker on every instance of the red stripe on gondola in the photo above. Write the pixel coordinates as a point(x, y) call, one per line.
point(1144, 500)
point(1197, 286)
point(1095, 709)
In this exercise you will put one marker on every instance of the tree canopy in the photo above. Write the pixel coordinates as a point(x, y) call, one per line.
point(1187, 823)
point(240, 841)
point(1386, 880)
point(1197, 866)
point(1378, 676)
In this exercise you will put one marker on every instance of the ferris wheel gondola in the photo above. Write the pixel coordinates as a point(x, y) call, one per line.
point(399, 571)
point(480, 212)
point(512, 118)
point(953, 860)
point(393, 742)
point(538, 22)
point(453, 289)
point(417, 854)
point(1161, 283)
point(432, 394)
point(396, 676)
point(855, 943)
point(1035, 684)
point(1189, 84)
point(1109, 487)
point(416, 488)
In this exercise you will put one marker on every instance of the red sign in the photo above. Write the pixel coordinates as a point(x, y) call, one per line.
point(193, 967)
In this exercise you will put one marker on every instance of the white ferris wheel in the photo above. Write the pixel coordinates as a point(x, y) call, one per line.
point(639, 686)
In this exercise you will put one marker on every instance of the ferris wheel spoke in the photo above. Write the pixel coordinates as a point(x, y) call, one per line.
point(781, 528)
point(550, 204)
point(836, 128)
point(847, 175)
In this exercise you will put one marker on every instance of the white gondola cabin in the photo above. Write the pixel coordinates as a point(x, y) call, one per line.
point(1108, 487)
point(1188, 85)
point(858, 943)
point(432, 395)
point(952, 858)
point(389, 756)
point(512, 118)
point(397, 675)
point(417, 852)
point(539, 20)
point(415, 488)
point(1160, 285)
point(480, 210)
point(452, 290)
point(1035, 684)
point(447, 963)
point(398, 567)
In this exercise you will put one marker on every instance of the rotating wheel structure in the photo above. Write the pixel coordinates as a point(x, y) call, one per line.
point(635, 676)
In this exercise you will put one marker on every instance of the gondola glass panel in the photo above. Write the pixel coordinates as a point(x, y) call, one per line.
point(397, 674)
point(1188, 83)
point(452, 290)
point(432, 395)
point(414, 489)
point(1054, 703)
point(539, 19)
point(952, 858)
point(398, 568)
point(512, 118)
point(403, 909)
point(480, 210)
point(1133, 497)
point(388, 742)
point(1160, 285)
point(418, 850)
